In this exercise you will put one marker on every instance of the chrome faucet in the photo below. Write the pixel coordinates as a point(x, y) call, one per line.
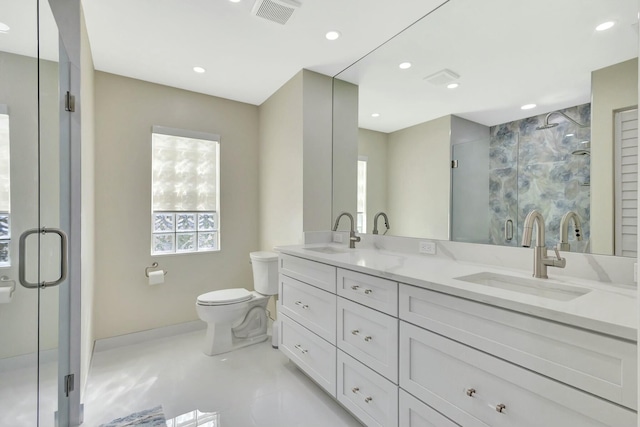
point(352, 233)
point(540, 259)
point(564, 245)
point(375, 222)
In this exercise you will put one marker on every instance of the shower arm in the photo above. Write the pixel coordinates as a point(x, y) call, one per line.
point(546, 119)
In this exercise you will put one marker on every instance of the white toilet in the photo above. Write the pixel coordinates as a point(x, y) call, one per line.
point(237, 317)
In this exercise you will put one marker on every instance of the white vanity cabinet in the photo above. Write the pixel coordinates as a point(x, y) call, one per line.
point(442, 365)
point(402, 355)
point(308, 318)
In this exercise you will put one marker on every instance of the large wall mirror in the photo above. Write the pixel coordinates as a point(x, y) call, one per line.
point(483, 111)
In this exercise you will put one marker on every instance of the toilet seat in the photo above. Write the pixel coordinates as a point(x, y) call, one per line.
point(225, 296)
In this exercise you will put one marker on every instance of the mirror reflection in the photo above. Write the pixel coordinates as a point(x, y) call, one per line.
point(498, 108)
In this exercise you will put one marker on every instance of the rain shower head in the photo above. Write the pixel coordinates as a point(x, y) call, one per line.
point(548, 125)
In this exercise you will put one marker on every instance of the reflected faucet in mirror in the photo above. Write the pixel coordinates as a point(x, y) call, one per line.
point(375, 223)
point(352, 233)
point(564, 245)
point(540, 259)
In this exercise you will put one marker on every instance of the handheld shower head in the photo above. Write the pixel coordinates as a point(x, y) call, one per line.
point(547, 126)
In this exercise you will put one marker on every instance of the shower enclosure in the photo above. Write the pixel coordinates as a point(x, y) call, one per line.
point(36, 381)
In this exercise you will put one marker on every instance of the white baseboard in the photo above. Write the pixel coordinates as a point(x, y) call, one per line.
point(151, 334)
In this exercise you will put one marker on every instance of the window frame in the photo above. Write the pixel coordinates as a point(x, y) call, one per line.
point(203, 136)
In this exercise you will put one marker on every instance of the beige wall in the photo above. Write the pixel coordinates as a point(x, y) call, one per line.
point(373, 145)
point(419, 179)
point(612, 88)
point(87, 203)
point(295, 160)
point(126, 109)
point(19, 319)
point(281, 151)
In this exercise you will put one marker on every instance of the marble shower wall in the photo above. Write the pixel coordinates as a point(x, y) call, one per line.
point(535, 169)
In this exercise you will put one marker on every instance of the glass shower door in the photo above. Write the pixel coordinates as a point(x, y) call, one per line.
point(31, 213)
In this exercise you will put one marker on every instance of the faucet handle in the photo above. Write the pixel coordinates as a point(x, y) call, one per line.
point(559, 261)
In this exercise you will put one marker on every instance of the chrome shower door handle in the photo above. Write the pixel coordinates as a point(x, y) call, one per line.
point(22, 276)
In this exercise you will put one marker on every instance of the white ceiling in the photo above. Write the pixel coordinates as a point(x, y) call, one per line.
point(247, 58)
point(507, 53)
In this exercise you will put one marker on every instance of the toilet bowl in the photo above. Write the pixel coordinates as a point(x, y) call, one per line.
point(237, 317)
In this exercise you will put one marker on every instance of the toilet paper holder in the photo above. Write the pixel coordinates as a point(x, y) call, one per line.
point(146, 270)
point(4, 281)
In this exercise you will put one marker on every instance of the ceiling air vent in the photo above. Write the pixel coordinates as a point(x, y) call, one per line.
point(275, 10)
point(442, 77)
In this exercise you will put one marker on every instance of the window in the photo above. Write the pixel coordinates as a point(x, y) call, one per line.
point(5, 189)
point(185, 191)
point(361, 209)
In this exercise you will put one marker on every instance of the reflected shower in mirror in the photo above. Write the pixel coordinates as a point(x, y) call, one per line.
point(500, 120)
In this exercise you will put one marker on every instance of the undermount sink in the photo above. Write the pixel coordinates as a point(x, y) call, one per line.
point(539, 288)
point(328, 249)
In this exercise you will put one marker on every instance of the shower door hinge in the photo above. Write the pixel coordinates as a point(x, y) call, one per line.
point(69, 102)
point(454, 164)
point(68, 384)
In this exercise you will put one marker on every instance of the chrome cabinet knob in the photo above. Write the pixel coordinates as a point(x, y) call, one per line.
point(368, 291)
point(368, 338)
point(355, 389)
point(355, 287)
point(471, 392)
point(500, 408)
point(355, 332)
point(368, 399)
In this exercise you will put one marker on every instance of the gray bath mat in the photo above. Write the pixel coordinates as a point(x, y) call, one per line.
point(153, 417)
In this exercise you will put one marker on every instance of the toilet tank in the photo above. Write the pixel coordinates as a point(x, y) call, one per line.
point(265, 272)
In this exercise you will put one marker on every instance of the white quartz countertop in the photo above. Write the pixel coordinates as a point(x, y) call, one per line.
point(606, 308)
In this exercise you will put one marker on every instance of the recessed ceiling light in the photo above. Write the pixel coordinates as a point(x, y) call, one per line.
point(4, 28)
point(453, 85)
point(605, 26)
point(405, 65)
point(199, 70)
point(375, 115)
point(528, 106)
point(332, 35)
point(234, 1)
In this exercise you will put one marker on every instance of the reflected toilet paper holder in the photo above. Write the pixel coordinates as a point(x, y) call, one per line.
point(146, 270)
point(5, 282)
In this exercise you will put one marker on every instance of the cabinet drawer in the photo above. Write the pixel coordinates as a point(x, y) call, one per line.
point(369, 396)
point(369, 336)
point(596, 363)
point(314, 273)
point(312, 354)
point(414, 413)
point(313, 308)
point(468, 386)
point(371, 291)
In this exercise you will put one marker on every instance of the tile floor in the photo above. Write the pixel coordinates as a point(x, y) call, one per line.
point(253, 386)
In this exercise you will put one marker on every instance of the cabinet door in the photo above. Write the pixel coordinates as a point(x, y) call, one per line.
point(369, 336)
point(314, 273)
point(374, 292)
point(312, 354)
point(596, 363)
point(414, 413)
point(477, 389)
point(313, 308)
point(368, 395)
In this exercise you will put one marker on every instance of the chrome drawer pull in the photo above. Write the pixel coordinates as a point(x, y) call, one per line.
point(368, 338)
point(355, 332)
point(355, 389)
point(500, 408)
point(366, 291)
point(471, 392)
point(368, 399)
point(302, 350)
point(304, 306)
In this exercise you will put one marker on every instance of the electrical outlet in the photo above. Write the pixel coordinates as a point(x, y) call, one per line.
point(337, 238)
point(427, 248)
